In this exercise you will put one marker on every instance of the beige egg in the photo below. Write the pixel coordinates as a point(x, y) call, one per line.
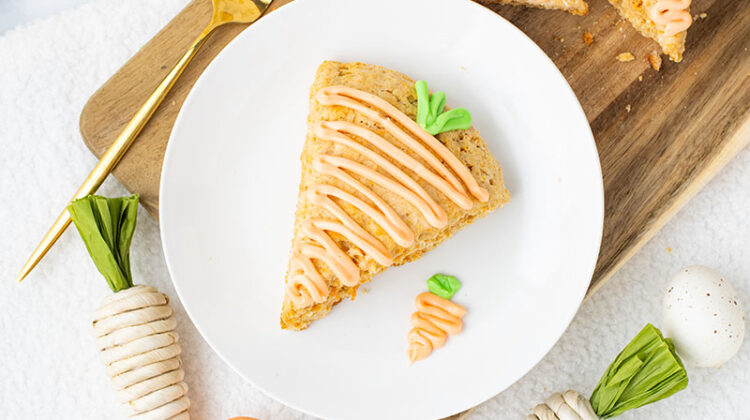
point(703, 315)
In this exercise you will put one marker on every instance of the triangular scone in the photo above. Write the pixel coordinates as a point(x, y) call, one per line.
point(351, 161)
point(576, 7)
point(637, 13)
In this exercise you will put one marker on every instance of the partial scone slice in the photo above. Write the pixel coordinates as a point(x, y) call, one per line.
point(376, 190)
point(671, 29)
point(576, 7)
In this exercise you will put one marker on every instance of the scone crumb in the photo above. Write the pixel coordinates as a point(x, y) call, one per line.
point(625, 57)
point(701, 16)
point(655, 59)
point(628, 108)
point(640, 78)
point(588, 39)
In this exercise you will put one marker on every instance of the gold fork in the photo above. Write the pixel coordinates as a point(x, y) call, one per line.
point(225, 11)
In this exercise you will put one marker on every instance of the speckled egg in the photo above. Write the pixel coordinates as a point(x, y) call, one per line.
point(703, 316)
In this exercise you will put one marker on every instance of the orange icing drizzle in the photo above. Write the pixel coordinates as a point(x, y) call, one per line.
point(671, 15)
point(306, 285)
point(434, 320)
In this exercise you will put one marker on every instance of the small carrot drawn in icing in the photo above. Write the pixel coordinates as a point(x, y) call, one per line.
point(436, 317)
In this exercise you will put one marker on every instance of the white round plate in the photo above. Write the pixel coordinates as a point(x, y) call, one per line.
point(229, 191)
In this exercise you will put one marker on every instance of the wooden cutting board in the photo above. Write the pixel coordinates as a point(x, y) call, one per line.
point(661, 135)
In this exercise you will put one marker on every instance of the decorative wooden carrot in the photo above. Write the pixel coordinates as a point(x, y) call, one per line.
point(697, 303)
point(134, 328)
point(436, 317)
point(646, 370)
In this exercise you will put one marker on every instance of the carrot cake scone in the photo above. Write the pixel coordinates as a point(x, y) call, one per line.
point(386, 176)
point(576, 7)
point(665, 21)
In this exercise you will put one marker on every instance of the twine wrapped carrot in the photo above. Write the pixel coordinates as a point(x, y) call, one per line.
point(134, 328)
point(569, 405)
point(646, 370)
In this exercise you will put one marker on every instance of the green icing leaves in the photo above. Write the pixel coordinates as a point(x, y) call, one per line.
point(647, 370)
point(430, 115)
point(443, 286)
point(106, 226)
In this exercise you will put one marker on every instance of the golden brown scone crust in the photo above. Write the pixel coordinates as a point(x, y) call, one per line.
point(398, 90)
point(576, 7)
point(634, 11)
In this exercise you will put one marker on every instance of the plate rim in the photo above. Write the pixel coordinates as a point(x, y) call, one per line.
point(597, 201)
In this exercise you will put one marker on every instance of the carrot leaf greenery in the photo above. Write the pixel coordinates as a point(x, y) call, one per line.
point(443, 285)
point(430, 115)
point(647, 370)
point(106, 226)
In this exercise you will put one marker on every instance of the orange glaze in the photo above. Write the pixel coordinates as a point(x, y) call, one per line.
point(671, 16)
point(434, 320)
point(305, 285)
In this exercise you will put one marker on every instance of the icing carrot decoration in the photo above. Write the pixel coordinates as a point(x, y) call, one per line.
point(436, 317)
point(430, 115)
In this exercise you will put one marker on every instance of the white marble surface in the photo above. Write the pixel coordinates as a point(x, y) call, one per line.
point(49, 67)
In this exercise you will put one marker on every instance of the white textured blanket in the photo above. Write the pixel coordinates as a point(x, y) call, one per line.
point(49, 366)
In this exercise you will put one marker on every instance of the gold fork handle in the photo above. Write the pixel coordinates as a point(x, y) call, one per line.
point(116, 151)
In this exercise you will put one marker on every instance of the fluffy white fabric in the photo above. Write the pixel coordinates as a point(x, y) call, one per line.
point(50, 367)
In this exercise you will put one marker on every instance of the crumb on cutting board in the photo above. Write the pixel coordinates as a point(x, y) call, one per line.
point(640, 78)
point(655, 59)
point(625, 57)
point(588, 39)
point(628, 108)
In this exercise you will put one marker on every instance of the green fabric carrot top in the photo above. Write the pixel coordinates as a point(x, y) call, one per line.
point(106, 226)
point(646, 370)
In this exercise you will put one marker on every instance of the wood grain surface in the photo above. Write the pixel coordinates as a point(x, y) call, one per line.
point(661, 135)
